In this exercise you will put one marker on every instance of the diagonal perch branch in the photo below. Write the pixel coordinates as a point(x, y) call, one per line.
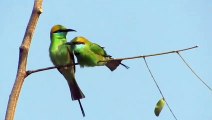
point(48, 68)
point(128, 58)
point(157, 54)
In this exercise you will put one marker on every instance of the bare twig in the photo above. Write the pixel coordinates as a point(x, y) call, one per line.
point(194, 72)
point(128, 58)
point(157, 54)
point(159, 88)
point(23, 53)
point(48, 68)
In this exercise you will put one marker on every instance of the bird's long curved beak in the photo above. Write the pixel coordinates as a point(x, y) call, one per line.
point(70, 30)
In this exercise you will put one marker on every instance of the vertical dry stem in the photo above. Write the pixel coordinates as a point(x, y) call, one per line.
point(23, 53)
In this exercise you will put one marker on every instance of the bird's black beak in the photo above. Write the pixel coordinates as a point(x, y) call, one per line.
point(70, 30)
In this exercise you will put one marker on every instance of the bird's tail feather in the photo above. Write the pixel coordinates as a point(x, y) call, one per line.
point(69, 75)
point(76, 92)
point(113, 64)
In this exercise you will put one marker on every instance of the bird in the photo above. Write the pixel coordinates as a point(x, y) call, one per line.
point(61, 55)
point(90, 54)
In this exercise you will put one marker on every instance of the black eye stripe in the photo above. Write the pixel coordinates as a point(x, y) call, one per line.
point(58, 31)
point(78, 43)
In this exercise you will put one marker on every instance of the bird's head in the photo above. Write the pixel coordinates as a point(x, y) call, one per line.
point(60, 30)
point(78, 41)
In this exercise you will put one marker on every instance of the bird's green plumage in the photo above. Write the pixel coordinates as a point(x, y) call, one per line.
point(88, 53)
point(61, 54)
point(91, 54)
point(98, 50)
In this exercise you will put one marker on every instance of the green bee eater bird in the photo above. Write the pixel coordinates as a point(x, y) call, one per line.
point(60, 54)
point(91, 54)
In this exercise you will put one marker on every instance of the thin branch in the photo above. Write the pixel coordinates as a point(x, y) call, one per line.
point(159, 88)
point(23, 53)
point(42, 69)
point(128, 58)
point(153, 78)
point(48, 68)
point(157, 54)
point(194, 72)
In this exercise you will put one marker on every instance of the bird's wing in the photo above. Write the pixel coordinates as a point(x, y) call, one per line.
point(97, 49)
point(72, 61)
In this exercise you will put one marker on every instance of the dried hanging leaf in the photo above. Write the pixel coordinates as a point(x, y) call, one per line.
point(159, 106)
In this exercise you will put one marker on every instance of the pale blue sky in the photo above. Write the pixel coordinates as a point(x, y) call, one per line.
point(125, 28)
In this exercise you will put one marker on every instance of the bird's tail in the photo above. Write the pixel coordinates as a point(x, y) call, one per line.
point(75, 90)
point(113, 64)
point(76, 93)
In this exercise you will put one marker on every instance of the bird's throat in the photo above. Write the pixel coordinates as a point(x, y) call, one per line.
point(79, 46)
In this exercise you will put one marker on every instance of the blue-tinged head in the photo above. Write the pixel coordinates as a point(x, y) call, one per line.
point(59, 31)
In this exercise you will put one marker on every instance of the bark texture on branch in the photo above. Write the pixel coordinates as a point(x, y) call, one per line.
point(23, 54)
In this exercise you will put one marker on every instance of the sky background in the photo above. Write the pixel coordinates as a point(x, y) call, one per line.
point(125, 28)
